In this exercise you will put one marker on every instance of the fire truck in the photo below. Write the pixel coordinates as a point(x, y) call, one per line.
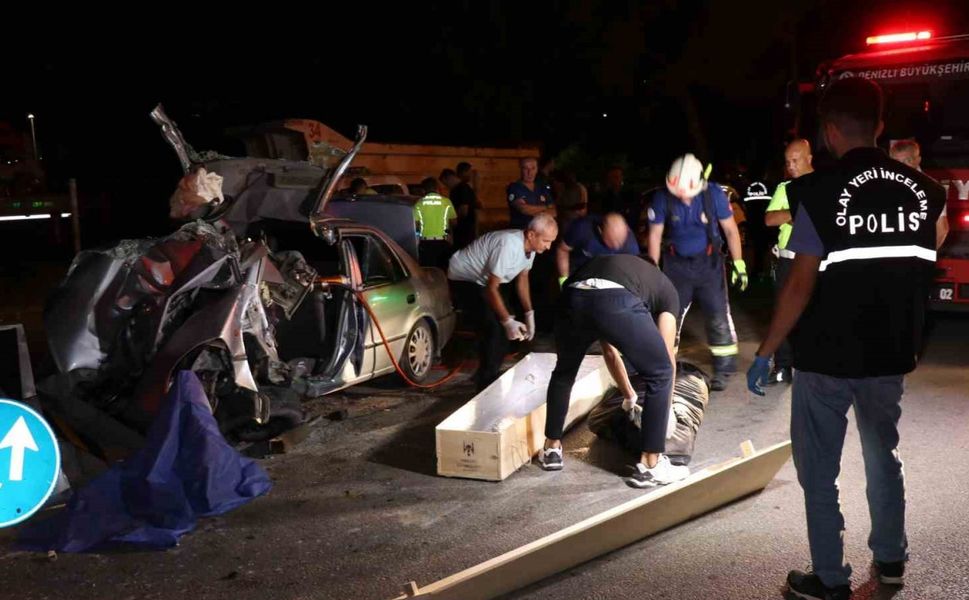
point(925, 79)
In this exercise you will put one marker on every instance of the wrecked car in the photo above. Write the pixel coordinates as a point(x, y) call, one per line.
point(273, 295)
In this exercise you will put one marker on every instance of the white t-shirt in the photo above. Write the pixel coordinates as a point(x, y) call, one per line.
point(499, 253)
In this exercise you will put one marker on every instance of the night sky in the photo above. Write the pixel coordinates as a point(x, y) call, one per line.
point(708, 77)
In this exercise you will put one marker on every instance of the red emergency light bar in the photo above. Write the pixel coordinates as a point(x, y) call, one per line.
point(897, 38)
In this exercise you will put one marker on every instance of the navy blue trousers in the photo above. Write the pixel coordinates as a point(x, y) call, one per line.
point(701, 279)
point(620, 318)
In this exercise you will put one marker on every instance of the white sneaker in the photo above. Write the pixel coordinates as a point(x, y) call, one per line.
point(662, 474)
point(550, 459)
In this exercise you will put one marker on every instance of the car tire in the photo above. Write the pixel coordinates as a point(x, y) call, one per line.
point(420, 350)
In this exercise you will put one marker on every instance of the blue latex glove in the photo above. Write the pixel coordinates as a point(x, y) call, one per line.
point(757, 375)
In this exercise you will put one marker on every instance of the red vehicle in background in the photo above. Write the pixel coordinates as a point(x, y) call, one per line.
point(925, 79)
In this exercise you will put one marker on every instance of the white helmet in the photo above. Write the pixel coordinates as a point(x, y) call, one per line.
point(685, 178)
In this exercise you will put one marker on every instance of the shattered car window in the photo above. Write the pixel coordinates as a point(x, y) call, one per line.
point(377, 264)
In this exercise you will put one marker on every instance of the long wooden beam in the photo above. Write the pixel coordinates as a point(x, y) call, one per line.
point(615, 528)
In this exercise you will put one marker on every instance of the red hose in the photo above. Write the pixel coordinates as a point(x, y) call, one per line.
point(393, 358)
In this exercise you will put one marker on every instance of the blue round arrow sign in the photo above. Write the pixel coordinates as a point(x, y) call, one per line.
point(30, 461)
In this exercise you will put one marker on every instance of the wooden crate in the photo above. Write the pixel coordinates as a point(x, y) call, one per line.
point(503, 427)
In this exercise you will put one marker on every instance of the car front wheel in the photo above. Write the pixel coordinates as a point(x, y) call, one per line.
point(419, 352)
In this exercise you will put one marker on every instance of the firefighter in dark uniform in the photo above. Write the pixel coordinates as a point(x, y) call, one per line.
point(865, 237)
point(689, 211)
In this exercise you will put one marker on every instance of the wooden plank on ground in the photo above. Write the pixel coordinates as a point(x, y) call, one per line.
point(655, 511)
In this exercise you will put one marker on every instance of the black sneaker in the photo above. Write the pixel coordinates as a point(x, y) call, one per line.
point(550, 459)
point(809, 586)
point(718, 382)
point(890, 573)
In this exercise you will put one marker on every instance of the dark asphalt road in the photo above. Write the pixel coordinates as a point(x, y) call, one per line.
point(357, 510)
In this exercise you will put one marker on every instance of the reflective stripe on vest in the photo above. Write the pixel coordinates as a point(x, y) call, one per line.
point(877, 252)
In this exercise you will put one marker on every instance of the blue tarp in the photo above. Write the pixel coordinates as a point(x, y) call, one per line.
point(186, 470)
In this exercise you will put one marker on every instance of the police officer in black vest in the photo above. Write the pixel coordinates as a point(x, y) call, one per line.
point(865, 233)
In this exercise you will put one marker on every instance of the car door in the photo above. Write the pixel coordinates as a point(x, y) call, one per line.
point(387, 288)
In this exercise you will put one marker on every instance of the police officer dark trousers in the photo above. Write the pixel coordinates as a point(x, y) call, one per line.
point(689, 211)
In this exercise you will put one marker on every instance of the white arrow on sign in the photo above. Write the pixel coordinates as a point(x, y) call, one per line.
point(18, 439)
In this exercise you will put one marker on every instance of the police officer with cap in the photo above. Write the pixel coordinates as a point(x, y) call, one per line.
point(691, 209)
point(865, 234)
point(756, 198)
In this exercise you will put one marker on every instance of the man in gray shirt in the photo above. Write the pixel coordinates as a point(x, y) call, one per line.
point(481, 273)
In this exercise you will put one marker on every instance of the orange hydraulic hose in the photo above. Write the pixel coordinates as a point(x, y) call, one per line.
point(393, 358)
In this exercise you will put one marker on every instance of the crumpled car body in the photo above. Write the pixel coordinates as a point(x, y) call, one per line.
point(265, 300)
